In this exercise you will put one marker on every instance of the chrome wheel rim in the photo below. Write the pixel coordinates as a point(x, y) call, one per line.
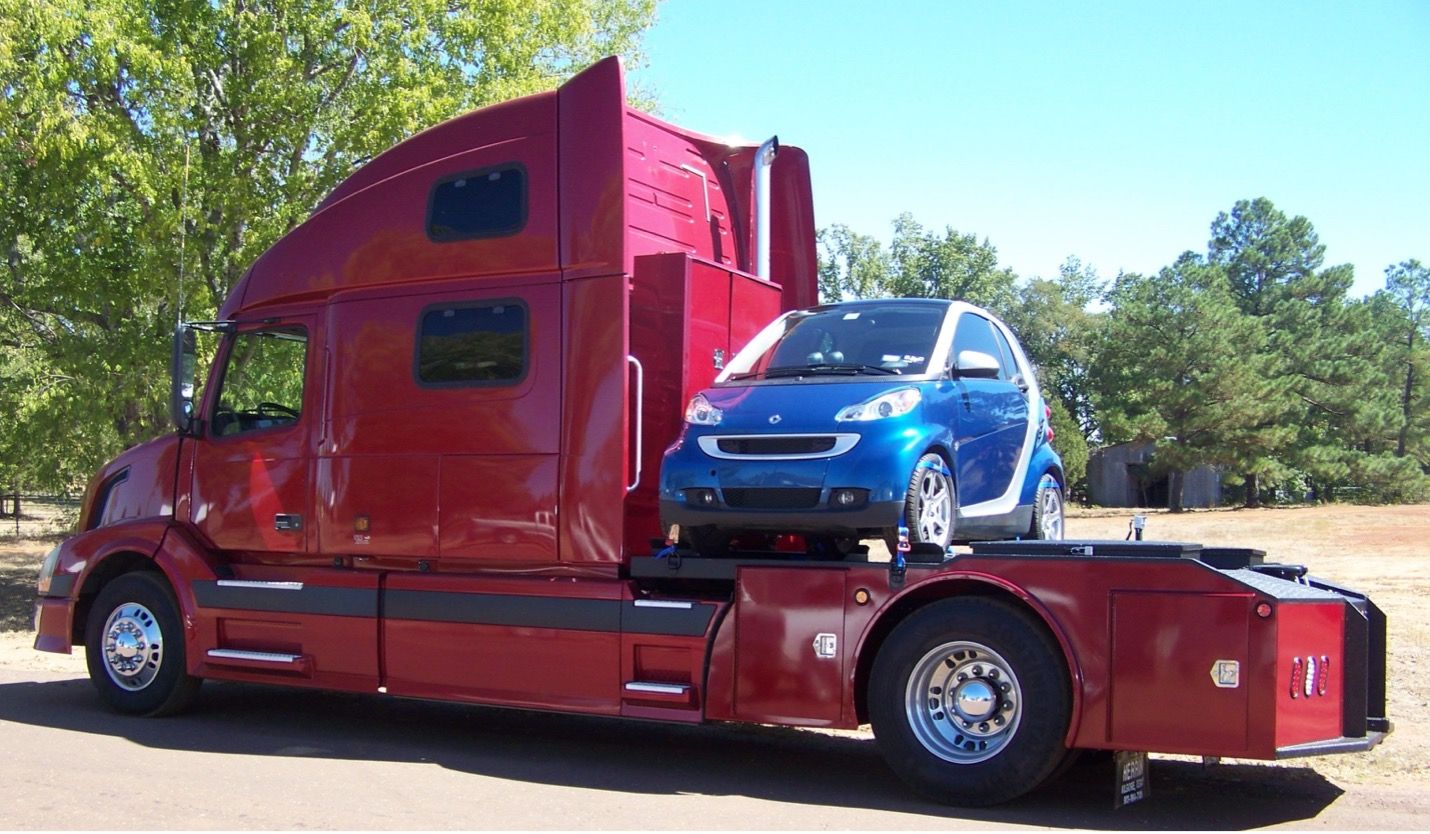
point(963, 702)
point(133, 646)
point(935, 508)
point(1052, 513)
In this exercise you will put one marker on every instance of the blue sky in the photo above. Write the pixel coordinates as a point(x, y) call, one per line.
point(1114, 132)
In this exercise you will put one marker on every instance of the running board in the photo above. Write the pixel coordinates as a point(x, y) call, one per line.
point(677, 690)
point(661, 701)
point(260, 661)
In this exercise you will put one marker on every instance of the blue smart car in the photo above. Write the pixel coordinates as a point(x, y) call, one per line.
point(853, 420)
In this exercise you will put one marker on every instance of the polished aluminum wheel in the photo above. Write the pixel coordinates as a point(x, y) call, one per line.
point(133, 646)
point(963, 702)
point(1051, 514)
point(935, 508)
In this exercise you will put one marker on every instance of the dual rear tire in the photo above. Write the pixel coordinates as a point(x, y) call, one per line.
point(970, 701)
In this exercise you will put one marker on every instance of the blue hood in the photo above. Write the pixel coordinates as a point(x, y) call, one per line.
point(808, 405)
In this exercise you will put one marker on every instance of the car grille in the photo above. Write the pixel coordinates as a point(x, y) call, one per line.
point(776, 445)
point(772, 498)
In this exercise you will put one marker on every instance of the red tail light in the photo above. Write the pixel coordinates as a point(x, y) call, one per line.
point(1048, 422)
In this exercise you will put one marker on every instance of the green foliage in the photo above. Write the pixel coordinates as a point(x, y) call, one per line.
point(917, 264)
point(1071, 446)
point(1181, 365)
point(150, 151)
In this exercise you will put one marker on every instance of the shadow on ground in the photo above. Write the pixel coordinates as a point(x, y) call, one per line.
point(17, 598)
point(768, 763)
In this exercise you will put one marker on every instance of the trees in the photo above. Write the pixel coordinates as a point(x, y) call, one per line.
point(150, 151)
point(1319, 342)
point(1180, 364)
point(918, 264)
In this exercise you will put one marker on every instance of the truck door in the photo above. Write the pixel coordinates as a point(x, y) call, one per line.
point(992, 420)
point(277, 613)
point(250, 482)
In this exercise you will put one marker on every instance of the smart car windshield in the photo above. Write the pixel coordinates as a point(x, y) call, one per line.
point(851, 340)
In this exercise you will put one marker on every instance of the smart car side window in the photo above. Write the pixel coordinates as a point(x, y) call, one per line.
point(975, 333)
point(1005, 355)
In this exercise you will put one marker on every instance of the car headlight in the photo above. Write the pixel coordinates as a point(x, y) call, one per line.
point(47, 571)
point(701, 413)
point(895, 403)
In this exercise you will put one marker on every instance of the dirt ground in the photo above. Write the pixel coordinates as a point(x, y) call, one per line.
point(1384, 551)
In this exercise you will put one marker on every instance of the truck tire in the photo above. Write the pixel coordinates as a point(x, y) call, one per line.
point(134, 647)
point(1048, 511)
point(969, 700)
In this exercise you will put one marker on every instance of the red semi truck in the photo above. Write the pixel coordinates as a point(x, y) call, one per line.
point(424, 463)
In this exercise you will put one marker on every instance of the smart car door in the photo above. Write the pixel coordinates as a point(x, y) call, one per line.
point(992, 417)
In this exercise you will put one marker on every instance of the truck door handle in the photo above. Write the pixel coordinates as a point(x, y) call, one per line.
point(287, 521)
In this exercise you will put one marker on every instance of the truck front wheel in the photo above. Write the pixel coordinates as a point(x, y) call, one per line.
point(134, 647)
point(969, 701)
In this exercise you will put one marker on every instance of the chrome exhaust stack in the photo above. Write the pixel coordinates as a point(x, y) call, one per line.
point(764, 158)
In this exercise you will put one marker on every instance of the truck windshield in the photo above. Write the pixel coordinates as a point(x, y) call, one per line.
point(850, 340)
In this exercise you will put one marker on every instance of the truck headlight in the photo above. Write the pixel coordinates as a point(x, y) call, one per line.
point(47, 571)
point(701, 413)
point(895, 403)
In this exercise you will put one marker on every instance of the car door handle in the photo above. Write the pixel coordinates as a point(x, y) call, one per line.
point(287, 521)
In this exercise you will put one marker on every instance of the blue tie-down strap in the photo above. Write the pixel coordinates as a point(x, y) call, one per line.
point(1048, 482)
point(937, 464)
point(668, 551)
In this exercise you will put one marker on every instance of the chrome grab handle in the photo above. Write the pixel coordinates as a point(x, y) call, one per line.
point(640, 409)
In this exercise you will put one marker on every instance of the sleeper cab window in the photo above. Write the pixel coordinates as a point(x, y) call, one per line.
point(472, 344)
point(490, 202)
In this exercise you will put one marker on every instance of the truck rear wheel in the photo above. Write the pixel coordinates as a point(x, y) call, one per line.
point(134, 647)
point(970, 703)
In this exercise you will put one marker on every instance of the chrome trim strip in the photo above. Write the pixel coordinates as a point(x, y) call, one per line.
point(843, 442)
point(254, 583)
point(260, 657)
point(663, 603)
point(657, 688)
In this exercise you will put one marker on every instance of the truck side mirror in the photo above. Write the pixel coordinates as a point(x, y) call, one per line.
point(181, 378)
point(976, 364)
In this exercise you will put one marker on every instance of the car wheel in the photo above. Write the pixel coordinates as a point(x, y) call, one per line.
point(969, 701)
point(930, 505)
point(1048, 513)
point(134, 647)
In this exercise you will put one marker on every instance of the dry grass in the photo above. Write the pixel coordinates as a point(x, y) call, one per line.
point(1380, 550)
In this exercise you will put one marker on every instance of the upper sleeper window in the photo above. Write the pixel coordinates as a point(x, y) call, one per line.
point(472, 344)
point(486, 203)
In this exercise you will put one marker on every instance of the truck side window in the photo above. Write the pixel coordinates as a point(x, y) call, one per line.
point(262, 385)
point(466, 344)
point(477, 204)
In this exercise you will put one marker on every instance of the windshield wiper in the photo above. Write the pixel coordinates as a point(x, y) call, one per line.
point(827, 368)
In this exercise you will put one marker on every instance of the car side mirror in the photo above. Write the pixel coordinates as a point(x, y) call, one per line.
point(976, 364)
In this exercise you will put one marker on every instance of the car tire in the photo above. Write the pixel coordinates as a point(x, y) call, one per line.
point(134, 647)
point(930, 505)
point(1049, 511)
point(970, 701)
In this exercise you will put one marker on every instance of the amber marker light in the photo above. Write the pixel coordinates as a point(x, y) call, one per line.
point(1263, 610)
point(861, 597)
